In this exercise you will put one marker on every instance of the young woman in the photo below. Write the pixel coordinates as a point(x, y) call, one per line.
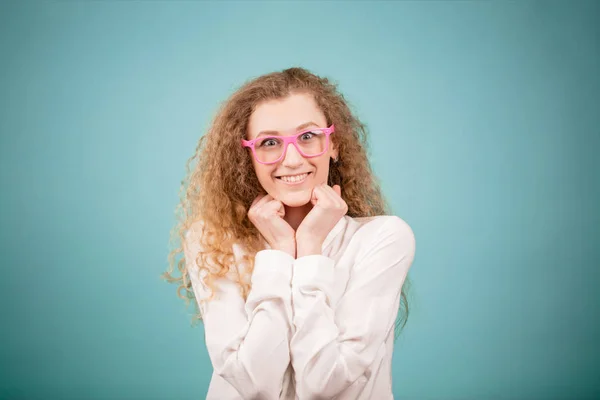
point(296, 270)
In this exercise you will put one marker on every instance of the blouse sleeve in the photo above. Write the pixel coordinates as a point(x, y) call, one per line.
point(248, 341)
point(330, 349)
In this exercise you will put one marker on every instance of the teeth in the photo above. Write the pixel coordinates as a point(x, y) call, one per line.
point(295, 178)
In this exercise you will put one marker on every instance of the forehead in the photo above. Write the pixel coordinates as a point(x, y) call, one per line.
point(284, 115)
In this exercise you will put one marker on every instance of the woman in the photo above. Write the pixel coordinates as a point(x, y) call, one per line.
point(296, 270)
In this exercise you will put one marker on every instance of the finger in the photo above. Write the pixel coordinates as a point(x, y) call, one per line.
point(264, 200)
point(322, 196)
point(256, 200)
point(340, 200)
point(329, 194)
point(258, 204)
point(281, 210)
point(278, 207)
point(333, 196)
point(314, 197)
point(273, 207)
point(338, 190)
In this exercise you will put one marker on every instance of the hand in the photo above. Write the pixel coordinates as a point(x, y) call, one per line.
point(328, 209)
point(266, 213)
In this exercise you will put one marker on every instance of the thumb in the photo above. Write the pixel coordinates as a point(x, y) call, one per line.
point(281, 210)
point(275, 207)
point(314, 198)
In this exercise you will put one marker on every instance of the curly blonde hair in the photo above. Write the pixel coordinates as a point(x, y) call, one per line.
point(222, 184)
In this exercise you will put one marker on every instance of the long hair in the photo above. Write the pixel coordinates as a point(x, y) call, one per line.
point(221, 184)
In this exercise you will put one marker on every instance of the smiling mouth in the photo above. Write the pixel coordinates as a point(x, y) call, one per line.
point(294, 178)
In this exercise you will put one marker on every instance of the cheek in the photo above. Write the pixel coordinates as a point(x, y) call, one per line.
point(323, 171)
point(263, 173)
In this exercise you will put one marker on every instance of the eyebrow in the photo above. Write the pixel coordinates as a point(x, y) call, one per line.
point(298, 128)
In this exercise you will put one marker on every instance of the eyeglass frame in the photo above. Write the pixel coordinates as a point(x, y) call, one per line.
point(287, 140)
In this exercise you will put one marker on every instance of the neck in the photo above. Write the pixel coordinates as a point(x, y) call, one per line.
point(295, 215)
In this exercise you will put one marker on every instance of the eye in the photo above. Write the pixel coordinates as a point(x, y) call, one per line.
point(308, 135)
point(270, 142)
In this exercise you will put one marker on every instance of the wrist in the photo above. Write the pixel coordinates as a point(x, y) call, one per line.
point(289, 248)
point(307, 246)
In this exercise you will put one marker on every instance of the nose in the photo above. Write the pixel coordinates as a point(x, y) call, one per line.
point(292, 157)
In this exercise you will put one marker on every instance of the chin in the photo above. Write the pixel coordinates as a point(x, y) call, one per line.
point(296, 200)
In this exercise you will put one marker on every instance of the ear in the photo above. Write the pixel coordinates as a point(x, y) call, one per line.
point(334, 152)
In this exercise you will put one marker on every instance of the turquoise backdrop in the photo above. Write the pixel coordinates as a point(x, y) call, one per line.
point(485, 128)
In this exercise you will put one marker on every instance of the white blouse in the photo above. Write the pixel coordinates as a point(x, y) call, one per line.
point(316, 327)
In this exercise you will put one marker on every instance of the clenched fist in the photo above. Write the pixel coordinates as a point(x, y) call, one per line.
point(266, 213)
point(328, 209)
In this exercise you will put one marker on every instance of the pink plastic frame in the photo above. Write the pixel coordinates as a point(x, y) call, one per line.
point(293, 139)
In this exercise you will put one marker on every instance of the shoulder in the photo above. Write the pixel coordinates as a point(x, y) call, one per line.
point(388, 233)
point(213, 260)
point(195, 231)
point(192, 241)
point(384, 225)
point(192, 246)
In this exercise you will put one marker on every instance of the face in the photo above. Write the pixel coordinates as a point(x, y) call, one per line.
point(285, 117)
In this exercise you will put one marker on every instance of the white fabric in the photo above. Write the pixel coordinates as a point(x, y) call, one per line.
point(316, 327)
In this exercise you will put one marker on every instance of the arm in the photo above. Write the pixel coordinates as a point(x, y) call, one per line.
point(327, 356)
point(248, 342)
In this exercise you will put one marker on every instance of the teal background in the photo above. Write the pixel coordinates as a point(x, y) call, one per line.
point(484, 120)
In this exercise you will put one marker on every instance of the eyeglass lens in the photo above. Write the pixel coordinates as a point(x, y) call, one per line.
point(269, 149)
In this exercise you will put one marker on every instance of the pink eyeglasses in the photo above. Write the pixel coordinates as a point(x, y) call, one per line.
point(311, 142)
